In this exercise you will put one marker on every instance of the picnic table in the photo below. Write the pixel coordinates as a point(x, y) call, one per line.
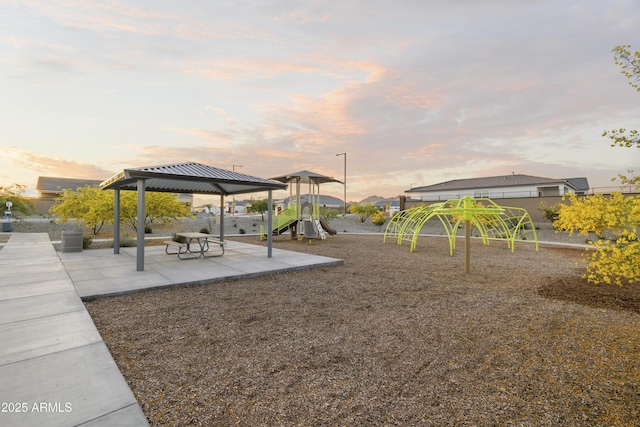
point(197, 244)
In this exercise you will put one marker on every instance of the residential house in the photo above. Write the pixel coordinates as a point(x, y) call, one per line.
point(389, 206)
point(323, 201)
point(500, 187)
point(50, 188)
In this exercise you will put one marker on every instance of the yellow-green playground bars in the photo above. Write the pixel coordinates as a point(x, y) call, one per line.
point(492, 221)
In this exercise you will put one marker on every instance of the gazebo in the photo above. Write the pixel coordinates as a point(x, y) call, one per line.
point(193, 178)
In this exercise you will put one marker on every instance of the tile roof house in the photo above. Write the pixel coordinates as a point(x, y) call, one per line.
point(51, 187)
point(498, 187)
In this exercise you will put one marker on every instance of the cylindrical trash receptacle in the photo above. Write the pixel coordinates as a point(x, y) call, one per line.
point(71, 241)
point(6, 225)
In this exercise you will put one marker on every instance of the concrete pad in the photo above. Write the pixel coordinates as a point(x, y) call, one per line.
point(39, 306)
point(45, 335)
point(76, 386)
point(20, 290)
point(130, 416)
point(19, 275)
point(100, 272)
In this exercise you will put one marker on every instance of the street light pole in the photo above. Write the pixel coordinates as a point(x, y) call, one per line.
point(344, 181)
point(233, 204)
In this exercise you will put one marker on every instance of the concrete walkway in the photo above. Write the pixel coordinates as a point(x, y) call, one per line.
point(55, 370)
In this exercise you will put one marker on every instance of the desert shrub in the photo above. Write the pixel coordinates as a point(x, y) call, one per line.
point(205, 230)
point(127, 242)
point(379, 219)
point(363, 211)
point(86, 242)
point(550, 212)
point(329, 213)
point(613, 259)
point(179, 239)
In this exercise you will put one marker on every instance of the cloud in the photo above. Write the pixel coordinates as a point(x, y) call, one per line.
point(51, 166)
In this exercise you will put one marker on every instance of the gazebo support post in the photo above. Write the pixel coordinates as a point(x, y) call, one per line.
point(116, 221)
point(140, 230)
point(269, 223)
point(467, 233)
point(467, 247)
point(222, 217)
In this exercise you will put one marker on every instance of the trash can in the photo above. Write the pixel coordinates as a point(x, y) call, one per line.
point(6, 224)
point(72, 241)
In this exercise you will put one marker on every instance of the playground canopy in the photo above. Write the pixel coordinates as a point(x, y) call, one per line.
point(306, 177)
point(192, 178)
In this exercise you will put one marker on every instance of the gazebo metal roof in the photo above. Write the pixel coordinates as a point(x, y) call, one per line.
point(190, 178)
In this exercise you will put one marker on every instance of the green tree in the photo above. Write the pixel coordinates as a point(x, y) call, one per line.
point(259, 206)
point(363, 211)
point(93, 207)
point(164, 207)
point(14, 194)
point(89, 205)
point(629, 63)
point(614, 257)
point(615, 219)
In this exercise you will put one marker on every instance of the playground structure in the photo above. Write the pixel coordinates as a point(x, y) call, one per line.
point(306, 215)
point(493, 222)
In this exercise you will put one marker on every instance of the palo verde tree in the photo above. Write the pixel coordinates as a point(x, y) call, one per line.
point(259, 206)
point(615, 256)
point(379, 219)
point(363, 211)
point(93, 207)
point(164, 207)
point(14, 194)
point(630, 67)
point(89, 205)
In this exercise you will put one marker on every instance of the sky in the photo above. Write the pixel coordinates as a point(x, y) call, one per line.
point(415, 92)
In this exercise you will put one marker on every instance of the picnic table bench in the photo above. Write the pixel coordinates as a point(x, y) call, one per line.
point(189, 250)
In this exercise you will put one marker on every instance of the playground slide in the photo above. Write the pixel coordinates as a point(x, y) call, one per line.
point(326, 227)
